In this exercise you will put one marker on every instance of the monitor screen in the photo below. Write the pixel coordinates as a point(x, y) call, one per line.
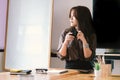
point(106, 17)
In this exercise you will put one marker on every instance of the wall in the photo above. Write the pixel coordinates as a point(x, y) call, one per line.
point(3, 9)
point(57, 63)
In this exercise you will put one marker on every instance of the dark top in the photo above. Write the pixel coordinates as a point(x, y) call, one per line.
point(75, 57)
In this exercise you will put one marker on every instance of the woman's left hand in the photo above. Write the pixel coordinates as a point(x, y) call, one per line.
point(80, 35)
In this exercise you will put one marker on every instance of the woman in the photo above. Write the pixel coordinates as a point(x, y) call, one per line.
point(78, 43)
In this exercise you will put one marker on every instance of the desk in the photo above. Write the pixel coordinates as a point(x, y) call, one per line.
point(70, 75)
point(108, 54)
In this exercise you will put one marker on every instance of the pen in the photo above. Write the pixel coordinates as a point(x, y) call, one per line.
point(100, 59)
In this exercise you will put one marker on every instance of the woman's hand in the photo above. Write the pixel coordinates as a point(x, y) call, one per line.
point(69, 37)
point(80, 35)
point(86, 49)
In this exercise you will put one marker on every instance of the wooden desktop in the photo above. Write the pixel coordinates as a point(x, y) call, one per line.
point(70, 75)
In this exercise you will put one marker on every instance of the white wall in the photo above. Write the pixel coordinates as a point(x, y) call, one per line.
point(57, 63)
point(3, 9)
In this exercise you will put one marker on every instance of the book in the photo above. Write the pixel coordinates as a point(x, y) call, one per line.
point(57, 71)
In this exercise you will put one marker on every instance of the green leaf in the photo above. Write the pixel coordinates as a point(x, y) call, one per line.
point(97, 66)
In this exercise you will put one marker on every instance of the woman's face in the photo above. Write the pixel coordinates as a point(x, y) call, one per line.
point(73, 20)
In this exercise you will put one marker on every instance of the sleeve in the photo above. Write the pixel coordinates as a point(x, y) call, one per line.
point(61, 40)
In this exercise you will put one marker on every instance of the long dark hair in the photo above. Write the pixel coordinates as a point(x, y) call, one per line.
point(85, 22)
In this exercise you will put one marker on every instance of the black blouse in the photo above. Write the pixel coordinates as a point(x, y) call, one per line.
point(75, 56)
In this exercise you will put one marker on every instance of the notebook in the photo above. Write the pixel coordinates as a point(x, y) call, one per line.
point(54, 71)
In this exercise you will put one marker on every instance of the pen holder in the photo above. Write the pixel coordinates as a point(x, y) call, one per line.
point(97, 73)
point(105, 70)
point(97, 70)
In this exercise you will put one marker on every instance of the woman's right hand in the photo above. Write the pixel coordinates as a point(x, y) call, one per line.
point(69, 37)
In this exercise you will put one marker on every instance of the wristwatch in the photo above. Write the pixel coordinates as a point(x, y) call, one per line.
point(86, 46)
